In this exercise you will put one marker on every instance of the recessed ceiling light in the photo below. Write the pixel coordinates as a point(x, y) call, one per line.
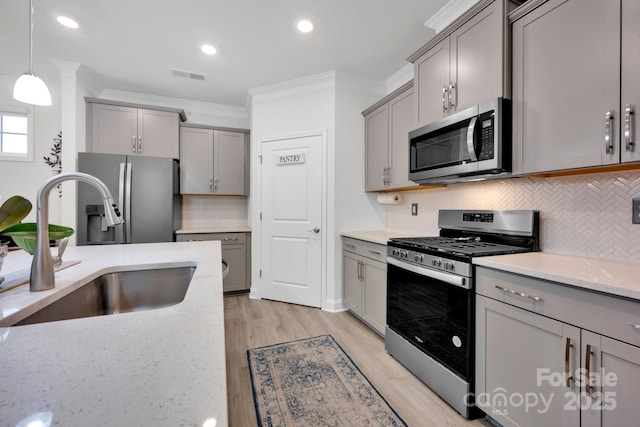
point(208, 49)
point(305, 26)
point(67, 22)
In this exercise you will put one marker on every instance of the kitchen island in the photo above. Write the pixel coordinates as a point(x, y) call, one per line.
point(162, 367)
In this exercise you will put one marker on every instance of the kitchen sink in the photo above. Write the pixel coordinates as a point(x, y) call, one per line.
point(119, 292)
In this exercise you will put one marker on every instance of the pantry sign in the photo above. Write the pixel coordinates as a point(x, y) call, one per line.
point(290, 159)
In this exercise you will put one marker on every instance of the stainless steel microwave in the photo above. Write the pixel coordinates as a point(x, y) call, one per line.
point(472, 144)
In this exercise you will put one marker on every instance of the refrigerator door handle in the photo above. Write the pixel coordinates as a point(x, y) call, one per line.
point(120, 228)
point(127, 211)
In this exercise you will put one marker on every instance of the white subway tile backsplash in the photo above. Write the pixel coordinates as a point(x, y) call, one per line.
point(205, 211)
point(586, 215)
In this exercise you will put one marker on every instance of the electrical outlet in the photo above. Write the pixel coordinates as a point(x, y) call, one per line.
point(635, 211)
point(414, 209)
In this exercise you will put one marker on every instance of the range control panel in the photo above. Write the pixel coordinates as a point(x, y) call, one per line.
point(477, 217)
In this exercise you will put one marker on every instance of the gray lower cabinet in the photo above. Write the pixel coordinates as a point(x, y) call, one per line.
point(387, 126)
point(570, 60)
point(466, 64)
point(236, 254)
point(213, 161)
point(364, 281)
point(537, 343)
point(122, 129)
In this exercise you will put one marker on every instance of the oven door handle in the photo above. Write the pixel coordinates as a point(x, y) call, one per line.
point(452, 279)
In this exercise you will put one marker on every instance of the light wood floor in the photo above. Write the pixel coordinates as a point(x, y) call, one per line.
point(254, 323)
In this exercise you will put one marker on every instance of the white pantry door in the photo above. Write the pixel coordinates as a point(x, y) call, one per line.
point(291, 209)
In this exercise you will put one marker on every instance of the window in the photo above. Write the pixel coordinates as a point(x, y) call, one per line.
point(15, 136)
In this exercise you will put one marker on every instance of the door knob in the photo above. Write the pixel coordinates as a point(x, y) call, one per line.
point(315, 230)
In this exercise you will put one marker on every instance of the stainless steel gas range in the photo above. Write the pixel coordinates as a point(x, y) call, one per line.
point(431, 296)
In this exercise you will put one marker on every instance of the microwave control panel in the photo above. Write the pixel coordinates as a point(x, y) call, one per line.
point(486, 137)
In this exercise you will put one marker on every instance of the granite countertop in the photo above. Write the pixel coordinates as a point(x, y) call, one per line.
point(378, 236)
point(218, 229)
point(156, 367)
point(619, 278)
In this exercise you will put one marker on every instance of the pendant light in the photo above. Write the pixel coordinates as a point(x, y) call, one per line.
point(30, 88)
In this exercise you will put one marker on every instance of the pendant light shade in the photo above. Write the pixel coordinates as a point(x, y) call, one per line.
point(30, 88)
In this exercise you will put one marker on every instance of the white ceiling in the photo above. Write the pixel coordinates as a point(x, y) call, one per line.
point(130, 45)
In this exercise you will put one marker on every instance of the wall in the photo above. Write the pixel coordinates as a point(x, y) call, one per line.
point(585, 215)
point(25, 178)
point(329, 102)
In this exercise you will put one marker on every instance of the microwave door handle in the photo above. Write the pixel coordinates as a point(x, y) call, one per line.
point(471, 130)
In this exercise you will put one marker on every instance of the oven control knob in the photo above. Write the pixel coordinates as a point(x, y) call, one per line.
point(448, 265)
point(418, 258)
point(436, 262)
point(403, 253)
point(394, 252)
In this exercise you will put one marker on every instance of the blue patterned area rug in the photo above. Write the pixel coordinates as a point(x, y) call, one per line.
point(312, 382)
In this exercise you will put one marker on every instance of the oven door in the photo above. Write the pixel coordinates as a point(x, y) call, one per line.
point(432, 310)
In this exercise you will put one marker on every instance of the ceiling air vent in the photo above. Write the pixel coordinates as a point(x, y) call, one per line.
point(186, 74)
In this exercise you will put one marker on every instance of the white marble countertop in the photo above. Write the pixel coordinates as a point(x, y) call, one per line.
point(163, 367)
point(618, 278)
point(227, 229)
point(378, 236)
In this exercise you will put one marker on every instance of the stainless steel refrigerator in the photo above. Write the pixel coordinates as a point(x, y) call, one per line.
point(147, 191)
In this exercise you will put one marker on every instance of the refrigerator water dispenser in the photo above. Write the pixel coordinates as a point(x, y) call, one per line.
point(97, 230)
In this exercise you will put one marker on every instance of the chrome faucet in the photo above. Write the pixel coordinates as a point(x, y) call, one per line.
point(42, 271)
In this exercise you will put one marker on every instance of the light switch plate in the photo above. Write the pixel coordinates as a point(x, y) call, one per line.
point(635, 211)
point(414, 209)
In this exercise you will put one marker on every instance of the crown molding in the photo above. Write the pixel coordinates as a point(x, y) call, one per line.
point(189, 106)
point(399, 78)
point(75, 72)
point(449, 13)
point(327, 81)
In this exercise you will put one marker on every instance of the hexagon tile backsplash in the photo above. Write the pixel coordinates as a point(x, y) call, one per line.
point(588, 215)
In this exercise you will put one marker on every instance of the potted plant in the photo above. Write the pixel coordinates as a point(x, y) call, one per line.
point(14, 210)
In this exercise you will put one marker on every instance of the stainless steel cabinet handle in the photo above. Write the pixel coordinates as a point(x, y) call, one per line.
point(358, 272)
point(567, 367)
point(134, 147)
point(519, 294)
point(634, 325)
point(608, 132)
point(315, 230)
point(211, 184)
point(215, 184)
point(629, 129)
point(224, 239)
point(452, 100)
point(139, 145)
point(352, 247)
point(587, 364)
point(445, 97)
point(374, 252)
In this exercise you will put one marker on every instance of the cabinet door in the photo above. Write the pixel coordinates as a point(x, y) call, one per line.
point(376, 148)
point(476, 62)
point(630, 72)
point(351, 283)
point(158, 133)
point(229, 163)
point(613, 401)
point(431, 78)
point(401, 121)
point(196, 161)
point(518, 354)
point(236, 258)
point(566, 78)
point(374, 310)
point(114, 129)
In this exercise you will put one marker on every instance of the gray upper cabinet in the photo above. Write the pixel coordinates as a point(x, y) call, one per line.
point(466, 64)
point(213, 161)
point(119, 128)
point(568, 112)
point(387, 126)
